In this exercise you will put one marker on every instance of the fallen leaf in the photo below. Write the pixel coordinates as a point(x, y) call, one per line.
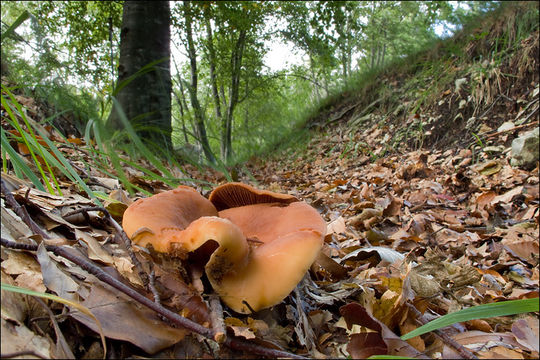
point(356, 314)
point(124, 319)
point(54, 278)
point(527, 334)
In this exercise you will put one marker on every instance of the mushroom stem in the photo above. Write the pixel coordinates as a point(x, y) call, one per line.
point(262, 276)
point(272, 271)
point(233, 247)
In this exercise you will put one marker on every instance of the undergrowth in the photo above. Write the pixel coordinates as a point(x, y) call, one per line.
point(487, 54)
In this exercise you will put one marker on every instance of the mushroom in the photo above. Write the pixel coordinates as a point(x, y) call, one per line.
point(246, 277)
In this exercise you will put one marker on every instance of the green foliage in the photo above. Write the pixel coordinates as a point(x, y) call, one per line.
point(85, 28)
point(49, 156)
point(43, 76)
point(10, 32)
point(346, 44)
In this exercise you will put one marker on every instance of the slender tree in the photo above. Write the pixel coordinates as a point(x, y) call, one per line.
point(192, 89)
point(143, 88)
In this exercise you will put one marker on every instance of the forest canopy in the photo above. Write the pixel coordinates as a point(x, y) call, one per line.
point(239, 105)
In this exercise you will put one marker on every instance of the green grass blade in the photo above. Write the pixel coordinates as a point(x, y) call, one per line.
point(99, 142)
point(503, 308)
point(11, 30)
point(46, 158)
point(63, 165)
point(137, 141)
point(13, 121)
point(121, 175)
point(19, 166)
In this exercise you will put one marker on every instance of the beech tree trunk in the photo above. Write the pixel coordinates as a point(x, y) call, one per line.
point(144, 77)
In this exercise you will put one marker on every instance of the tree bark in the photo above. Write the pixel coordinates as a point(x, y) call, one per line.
point(144, 84)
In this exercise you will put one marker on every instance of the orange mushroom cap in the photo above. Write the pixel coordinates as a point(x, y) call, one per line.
point(246, 278)
point(291, 233)
point(268, 221)
point(159, 219)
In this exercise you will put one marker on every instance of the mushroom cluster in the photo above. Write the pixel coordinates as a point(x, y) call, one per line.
point(287, 235)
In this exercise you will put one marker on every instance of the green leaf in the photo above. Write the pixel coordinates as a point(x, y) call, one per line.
point(19, 165)
point(11, 30)
point(503, 308)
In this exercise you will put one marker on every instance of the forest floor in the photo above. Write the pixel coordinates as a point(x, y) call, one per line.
point(439, 223)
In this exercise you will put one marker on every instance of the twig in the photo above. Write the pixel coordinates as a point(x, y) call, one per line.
point(512, 129)
point(21, 211)
point(152, 285)
point(90, 267)
point(527, 108)
point(531, 114)
point(120, 233)
point(463, 351)
point(490, 107)
point(216, 315)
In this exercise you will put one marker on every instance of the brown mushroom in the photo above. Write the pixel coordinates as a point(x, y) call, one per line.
point(291, 233)
point(247, 278)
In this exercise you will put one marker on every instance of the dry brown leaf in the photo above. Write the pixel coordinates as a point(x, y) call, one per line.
point(356, 314)
point(26, 268)
point(527, 333)
point(54, 278)
point(500, 352)
point(16, 338)
point(95, 250)
point(124, 319)
point(14, 308)
point(337, 226)
point(417, 342)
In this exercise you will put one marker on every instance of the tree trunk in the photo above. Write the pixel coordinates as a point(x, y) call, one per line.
point(212, 62)
point(246, 108)
point(236, 66)
point(182, 103)
point(312, 70)
point(145, 94)
point(199, 115)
